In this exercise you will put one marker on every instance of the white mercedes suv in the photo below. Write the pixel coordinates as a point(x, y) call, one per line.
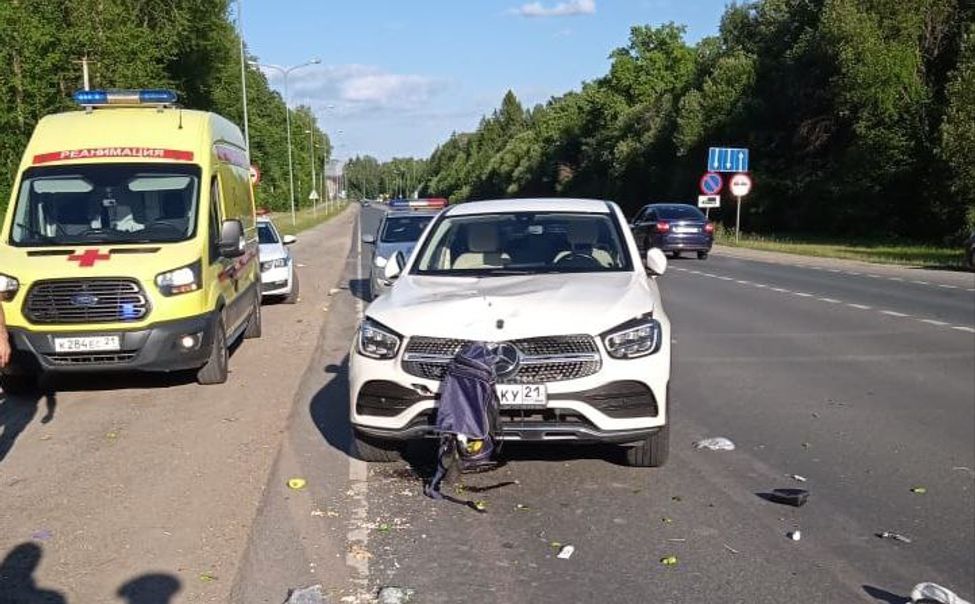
point(559, 287)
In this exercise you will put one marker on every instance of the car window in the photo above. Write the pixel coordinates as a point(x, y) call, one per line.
point(403, 229)
point(679, 213)
point(266, 234)
point(523, 243)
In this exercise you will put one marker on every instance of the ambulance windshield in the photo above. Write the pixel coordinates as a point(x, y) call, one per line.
point(106, 203)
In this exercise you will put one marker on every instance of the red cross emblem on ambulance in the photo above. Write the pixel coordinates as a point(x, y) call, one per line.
point(88, 258)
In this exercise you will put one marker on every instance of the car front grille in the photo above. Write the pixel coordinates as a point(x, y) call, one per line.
point(74, 360)
point(543, 360)
point(66, 301)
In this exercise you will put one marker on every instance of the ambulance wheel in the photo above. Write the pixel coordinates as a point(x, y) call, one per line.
point(292, 297)
point(217, 367)
point(19, 384)
point(652, 452)
point(253, 330)
point(372, 449)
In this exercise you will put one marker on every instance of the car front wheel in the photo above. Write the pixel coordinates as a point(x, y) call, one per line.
point(702, 255)
point(367, 448)
point(652, 452)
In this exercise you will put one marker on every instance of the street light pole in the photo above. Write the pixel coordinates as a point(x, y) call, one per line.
point(314, 183)
point(285, 72)
point(243, 77)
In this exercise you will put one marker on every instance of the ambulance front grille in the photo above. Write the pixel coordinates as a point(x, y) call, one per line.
point(77, 301)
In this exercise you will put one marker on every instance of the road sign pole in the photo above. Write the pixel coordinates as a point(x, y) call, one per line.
point(737, 217)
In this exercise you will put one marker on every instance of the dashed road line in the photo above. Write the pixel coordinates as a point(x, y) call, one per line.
point(964, 328)
point(780, 290)
point(934, 322)
point(893, 313)
point(829, 300)
point(803, 294)
point(946, 286)
point(859, 306)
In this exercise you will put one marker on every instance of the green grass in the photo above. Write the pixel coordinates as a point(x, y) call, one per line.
point(864, 250)
point(304, 219)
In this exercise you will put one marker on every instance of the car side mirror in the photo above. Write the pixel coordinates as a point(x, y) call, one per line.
point(369, 239)
point(289, 239)
point(656, 261)
point(394, 267)
point(232, 242)
point(380, 262)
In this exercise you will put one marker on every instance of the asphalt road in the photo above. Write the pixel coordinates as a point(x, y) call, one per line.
point(863, 383)
point(157, 492)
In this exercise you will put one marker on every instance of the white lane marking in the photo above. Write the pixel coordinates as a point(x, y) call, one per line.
point(835, 270)
point(921, 282)
point(723, 278)
point(963, 328)
point(740, 282)
point(829, 300)
point(759, 285)
point(933, 322)
point(946, 286)
point(895, 279)
point(859, 306)
point(709, 275)
point(853, 273)
point(893, 313)
point(780, 290)
point(803, 294)
point(358, 469)
point(873, 276)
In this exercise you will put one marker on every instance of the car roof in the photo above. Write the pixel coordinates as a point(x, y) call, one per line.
point(670, 204)
point(405, 213)
point(542, 204)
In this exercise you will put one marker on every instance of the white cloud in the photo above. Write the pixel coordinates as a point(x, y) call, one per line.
point(562, 9)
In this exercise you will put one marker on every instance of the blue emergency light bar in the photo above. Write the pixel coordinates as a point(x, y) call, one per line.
point(96, 98)
point(418, 204)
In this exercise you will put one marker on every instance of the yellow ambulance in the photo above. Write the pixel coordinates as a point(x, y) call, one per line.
point(129, 242)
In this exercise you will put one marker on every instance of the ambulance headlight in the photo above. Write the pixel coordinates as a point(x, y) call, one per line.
point(377, 341)
point(8, 287)
point(179, 281)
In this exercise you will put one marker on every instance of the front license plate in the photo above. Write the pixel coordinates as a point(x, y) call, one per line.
point(88, 344)
point(685, 229)
point(523, 395)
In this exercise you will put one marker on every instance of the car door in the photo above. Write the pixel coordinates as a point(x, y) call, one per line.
point(223, 267)
point(643, 230)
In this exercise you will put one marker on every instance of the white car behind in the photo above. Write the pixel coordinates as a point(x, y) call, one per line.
point(559, 288)
point(279, 279)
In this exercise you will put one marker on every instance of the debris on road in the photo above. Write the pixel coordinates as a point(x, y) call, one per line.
point(666, 520)
point(677, 540)
point(324, 513)
point(669, 560)
point(717, 443)
point(566, 552)
point(296, 484)
point(730, 549)
point(42, 535)
point(522, 507)
point(963, 469)
point(480, 505)
point(932, 592)
point(797, 477)
point(794, 535)
point(306, 595)
point(359, 552)
point(794, 497)
point(919, 490)
point(334, 291)
point(894, 536)
point(395, 595)
point(207, 577)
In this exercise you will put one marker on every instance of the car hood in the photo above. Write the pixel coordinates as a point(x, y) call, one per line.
point(528, 305)
point(272, 251)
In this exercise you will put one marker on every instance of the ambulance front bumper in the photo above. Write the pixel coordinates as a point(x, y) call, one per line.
point(168, 346)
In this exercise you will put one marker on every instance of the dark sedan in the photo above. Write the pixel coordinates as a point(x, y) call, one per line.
point(674, 228)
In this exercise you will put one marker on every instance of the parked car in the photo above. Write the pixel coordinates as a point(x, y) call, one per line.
point(970, 251)
point(673, 228)
point(279, 279)
point(398, 232)
point(557, 287)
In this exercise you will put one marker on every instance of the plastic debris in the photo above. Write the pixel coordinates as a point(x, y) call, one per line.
point(794, 535)
point(932, 592)
point(42, 535)
point(207, 577)
point(296, 483)
point(669, 560)
point(480, 505)
point(677, 540)
point(718, 443)
point(566, 552)
point(730, 549)
point(666, 520)
point(306, 595)
point(797, 477)
point(919, 490)
point(522, 507)
point(359, 552)
point(794, 497)
point(334, 291)
point(395, 595)
point(894, 536)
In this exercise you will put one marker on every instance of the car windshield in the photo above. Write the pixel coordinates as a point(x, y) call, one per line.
point(678, 212)
point(404, 229)
point(523, 243)
point(265, 233)
point(106, 203)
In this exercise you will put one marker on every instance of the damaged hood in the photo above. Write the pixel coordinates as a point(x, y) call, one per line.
point(524, 306)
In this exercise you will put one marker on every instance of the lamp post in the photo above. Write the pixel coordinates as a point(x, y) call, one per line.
point(286, 71)
point(243, 77)
point(314, 182)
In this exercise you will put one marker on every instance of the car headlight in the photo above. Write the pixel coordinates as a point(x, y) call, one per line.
point(380, 262)
point(181, 280)
point(8, 287)
point(634, 339)
point(377, 341)
point(276, 263)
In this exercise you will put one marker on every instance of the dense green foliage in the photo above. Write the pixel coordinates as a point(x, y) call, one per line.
point(190, 46)
point(368, 178)
point(860, 115)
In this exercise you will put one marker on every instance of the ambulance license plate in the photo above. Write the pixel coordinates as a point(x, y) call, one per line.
point(88, 344)
point(522, 395)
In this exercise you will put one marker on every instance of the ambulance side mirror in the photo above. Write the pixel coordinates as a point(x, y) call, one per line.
point(231, 239)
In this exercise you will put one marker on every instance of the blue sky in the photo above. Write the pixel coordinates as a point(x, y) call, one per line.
point(398, 76)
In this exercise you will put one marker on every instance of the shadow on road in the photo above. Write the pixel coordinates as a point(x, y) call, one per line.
point(329, 408)
point(16, 412)
point(17, 583)
point(360, 289)
point(883, 595)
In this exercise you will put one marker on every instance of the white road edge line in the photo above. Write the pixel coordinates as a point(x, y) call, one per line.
point(829, 300)
point(860, 306)
point(358, 469)
point(803, 294)
point(933, 322)
point(963, 328)
point(893, 313)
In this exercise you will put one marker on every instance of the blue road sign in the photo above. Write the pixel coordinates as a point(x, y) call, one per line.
point(727, 159)
point(711, 183)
